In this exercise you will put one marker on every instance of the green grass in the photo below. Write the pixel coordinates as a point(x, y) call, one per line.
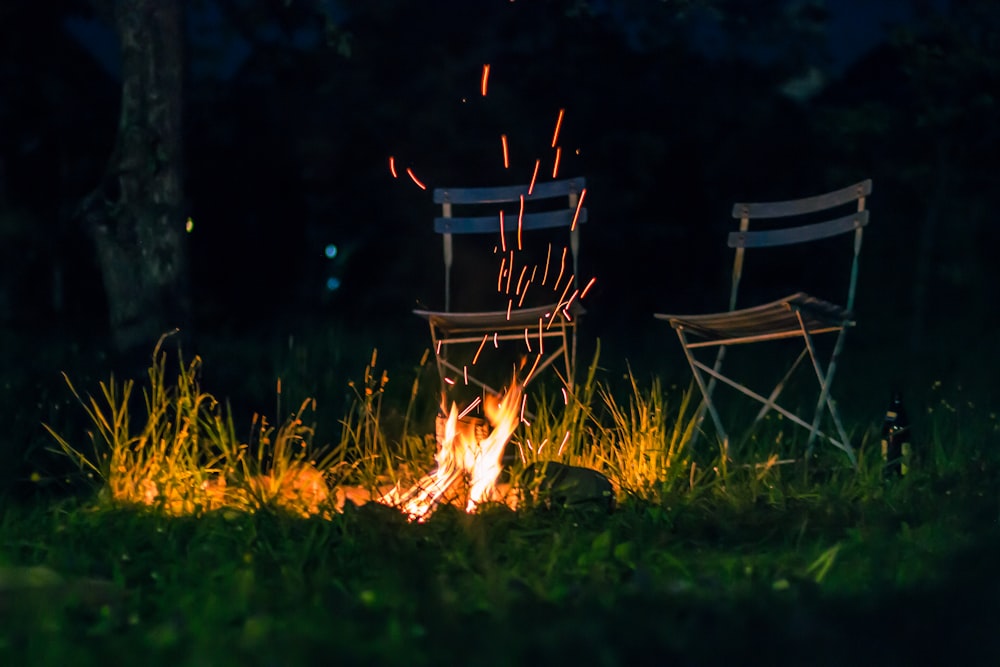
point(705, 561)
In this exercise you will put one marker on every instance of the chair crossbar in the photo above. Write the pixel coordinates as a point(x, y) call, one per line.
point(801, 234)
point(805, 205)
point(759, 339)
point(490, 224)
point(543, 360)
point(508, 193)
point(791, 416)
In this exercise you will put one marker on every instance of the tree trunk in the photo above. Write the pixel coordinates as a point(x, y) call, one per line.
point(135, 217)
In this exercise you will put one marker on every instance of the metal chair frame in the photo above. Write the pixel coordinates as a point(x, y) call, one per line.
point(796, 316)
point(554, 322)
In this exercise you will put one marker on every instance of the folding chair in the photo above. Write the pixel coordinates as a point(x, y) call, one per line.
point(798, 316)
point(544, 333)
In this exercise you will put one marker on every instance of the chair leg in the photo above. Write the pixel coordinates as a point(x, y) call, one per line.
point(824, 401)
point(778, 388)
point(438, 349)
point(706, 392)
point(571, 361)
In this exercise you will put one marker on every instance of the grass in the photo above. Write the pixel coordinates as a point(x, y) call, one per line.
point(705, 561)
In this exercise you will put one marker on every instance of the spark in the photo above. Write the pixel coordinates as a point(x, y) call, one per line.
point(449, 381)
point(476, 358)
point(521, 449)
point(541, 338)
point(523, 294)
point(559, 120)
point(561, 304)
point(486, 77)
point(503, 262)
point(510, 271)
point(510, 303)
point(548, 256)
point(524, 402)
point(506, 154)
point(565, 400)
point(542, 446)
point(496, 343)
point(392, 167)
point(526, 341)
point(565, 440)
point(586, 289)
point(438, 350)
point(555, 165)
point(503, 237)
point(534, 175)
point(562, 298)
point(415, 179)
point(562, 267)
point(579, 203)
point(520, 222)
point(189, 225)
point(570, 303)
point(538, 358)
point(472, 406)
point(465, 374)
point(520, 278)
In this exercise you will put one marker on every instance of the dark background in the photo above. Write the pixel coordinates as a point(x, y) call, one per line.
point(674, 110)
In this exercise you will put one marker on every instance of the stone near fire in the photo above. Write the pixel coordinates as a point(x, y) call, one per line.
point(560, 485)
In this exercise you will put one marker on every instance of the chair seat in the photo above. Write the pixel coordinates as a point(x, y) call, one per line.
point(773, 320)
point(499, 320)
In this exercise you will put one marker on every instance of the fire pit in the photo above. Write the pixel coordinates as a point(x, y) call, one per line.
point(465, 457)
point(469, 458)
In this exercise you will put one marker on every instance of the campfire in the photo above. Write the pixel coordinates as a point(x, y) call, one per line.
point(186, 458)
point(467, 464)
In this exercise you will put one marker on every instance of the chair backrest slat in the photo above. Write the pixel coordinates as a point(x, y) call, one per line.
point(806, 205)
point(800, 231)
point(491, 224)
point(509, 193)
point(812, 232)
point(569, 214)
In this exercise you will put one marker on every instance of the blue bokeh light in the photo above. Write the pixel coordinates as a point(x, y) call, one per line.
point(330, 251)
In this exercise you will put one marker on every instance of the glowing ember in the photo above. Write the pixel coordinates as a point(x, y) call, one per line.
point(579, 204)
point(414, 178)
point(462, 457)
point(555, 135)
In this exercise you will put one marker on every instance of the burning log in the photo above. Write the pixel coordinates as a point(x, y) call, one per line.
point(466, 455)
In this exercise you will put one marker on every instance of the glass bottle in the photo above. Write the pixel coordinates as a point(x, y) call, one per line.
point(896, 448)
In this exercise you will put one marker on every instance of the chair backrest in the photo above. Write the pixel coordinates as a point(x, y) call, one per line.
point(801, 226)
point(507, 211)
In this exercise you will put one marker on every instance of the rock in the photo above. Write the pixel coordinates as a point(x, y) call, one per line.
point(558, 485)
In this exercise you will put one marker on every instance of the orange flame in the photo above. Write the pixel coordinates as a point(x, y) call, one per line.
point(461, 455)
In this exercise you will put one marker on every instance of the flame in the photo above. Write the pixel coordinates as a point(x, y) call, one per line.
point(462, 456)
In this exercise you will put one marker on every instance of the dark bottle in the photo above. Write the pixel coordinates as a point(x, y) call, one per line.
point(896, 439)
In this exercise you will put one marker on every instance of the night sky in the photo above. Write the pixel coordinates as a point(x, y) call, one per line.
point(673, 112)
